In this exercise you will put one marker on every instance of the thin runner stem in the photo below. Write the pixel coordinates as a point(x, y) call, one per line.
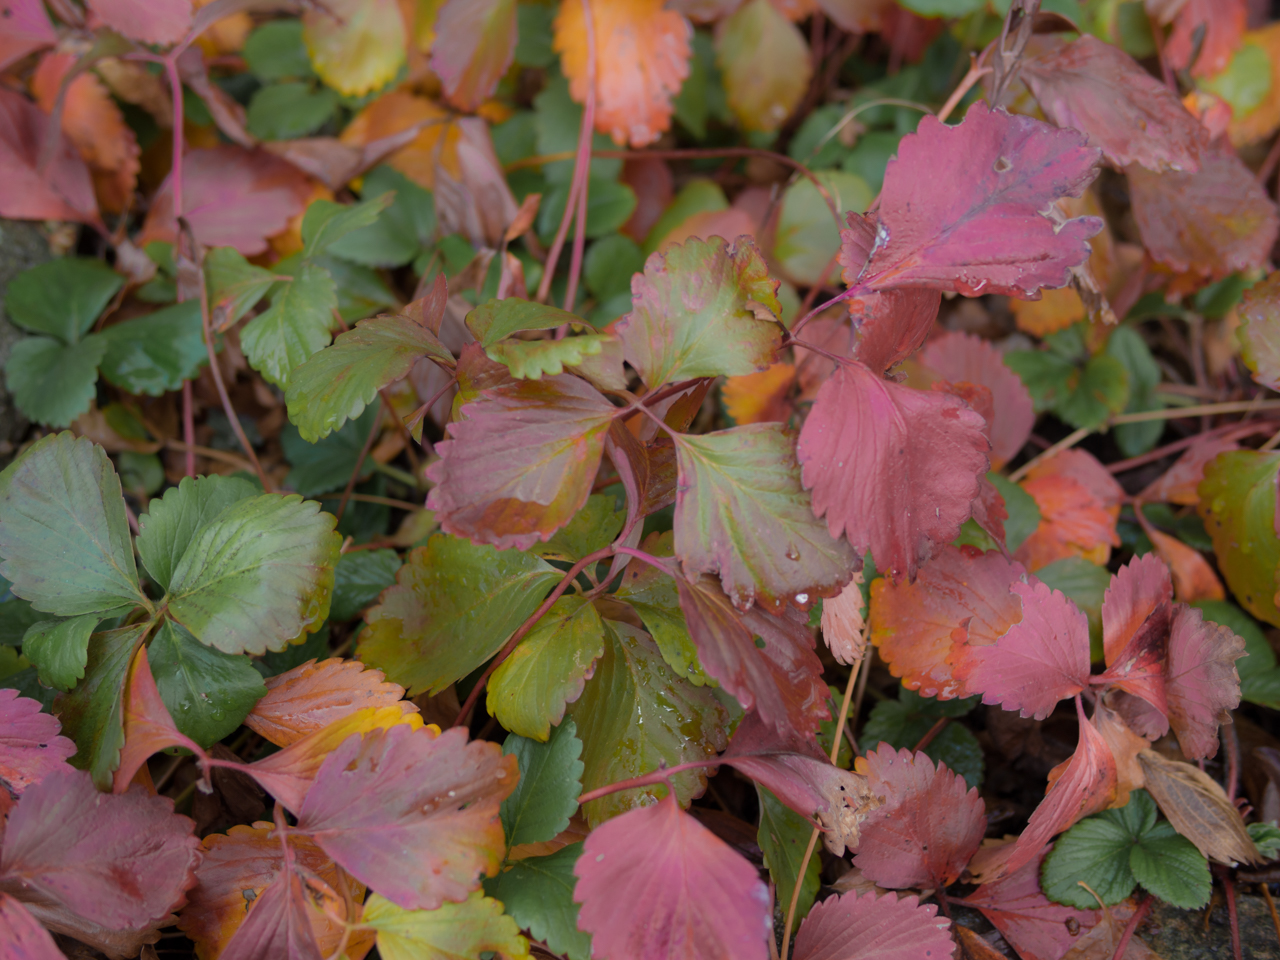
point(588, 131)
point(355, 474)
point(1132, 926)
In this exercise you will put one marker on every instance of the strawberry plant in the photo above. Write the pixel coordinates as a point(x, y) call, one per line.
point(507, 479)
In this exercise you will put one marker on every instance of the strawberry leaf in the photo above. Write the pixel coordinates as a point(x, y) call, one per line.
point(741, 512)
point(655, 882)
point(59, 649)
point(534, 359)
point(1136, 590)
point(496, 320)
point(550, 782)
point(412, 814)
point(1043, 658)
point(521, 463)
point(21, 936)
point(298, 324)
point(171, 521)
point(783, 836)
point(654, 597)
point(928, 824)
point(538, 893)
point(30, 747)
point(279, 925)
point(962, 207)
point(472, 928)
point(148, 727)
point(867, 927)
point(1202, 684)
point(701, 309)
point(1238, 506)
point(893, 469)
point(454, 605)
point(474, 46)
point(1259, 334)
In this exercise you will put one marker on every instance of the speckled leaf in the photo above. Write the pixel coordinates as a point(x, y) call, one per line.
point(30, 746)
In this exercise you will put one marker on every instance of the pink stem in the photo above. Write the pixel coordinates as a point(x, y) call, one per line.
point(645, 557)
point(645, 780)
point(588, 128)
point(175, 177)
point(840, 298)
point(1136, 919)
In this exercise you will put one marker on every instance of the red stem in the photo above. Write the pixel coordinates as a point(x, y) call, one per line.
point(645, 557)
point(525, 627)
point(1230, 886)
point(189, 427)
point(588, 129)
point(646, 779)
point(822, 308)
point(1136, 919)
point(929, 736)
point(175, 177)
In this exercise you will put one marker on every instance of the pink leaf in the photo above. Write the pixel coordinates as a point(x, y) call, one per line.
point(1100, 90)
point(30, 747)
point(122, 862)
point(989, 510)
point(1139, 668)
point(963, 357)
point(64, 191)
point(1042, 659)
point(853, 927)
point(1208, 29)
point(151, 21)
point(1082, 785)
point(148, 727)
point(782, 680)
point(276, 925)
point(1201, 680)
point(962, 207)
point(797, 771)
point(892, 468)
point(232, 197)
point(1035, 926)
point(26, 30)
point(21, 937)
point(891, 324)
point(475, 41)
point(928, 824)
point(413, 815)
point(1136, 590)
point(655, 884)
point(1178, 484)
point(521, 462)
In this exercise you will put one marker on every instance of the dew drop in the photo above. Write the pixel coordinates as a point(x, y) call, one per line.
point(792, 552)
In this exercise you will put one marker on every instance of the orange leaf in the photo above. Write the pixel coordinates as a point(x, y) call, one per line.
point(1079, 505)
point(642, 58)
point(1193, 578)
point(760, 397)
point(1055, 310)
point(312, 696)
point(397, 111)
point(148, 728)
point(92, 121)
point(1125, 745)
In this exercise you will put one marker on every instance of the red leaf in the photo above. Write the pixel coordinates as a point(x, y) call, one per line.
point(1079, 503)
point(853, 927)
point(892, 468)
point(121, 862)
point(1042, 659)
point(1222, 23)
point(1136, 590)
point(1099, 89)
point(277, 925)
point(891, 324)
point(1035, 926)
point(414, 815)
point(797, 771)
point(782, 680)
point(152, 21)
point(1139, 667)
point(148, 727)
point(1082, 785)
point(1214, 222)
point(232, 197)
point(965, 358)
point(1178, 484)
point(962, 207)
point(30, 747)
point(928, 824)
point(655, 884)
point(312, 696)
point(1201, 680)
point(62, 192)
point(21, 937)
point(26, 30)
point(961, 596)
point(521, 462)
point(989, 510)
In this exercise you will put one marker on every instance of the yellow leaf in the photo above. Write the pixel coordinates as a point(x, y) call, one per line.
point(642, 58)
point(1055, 310)
point(765, 62)
point(394, 112)
point(760, 397)
point(356, 45)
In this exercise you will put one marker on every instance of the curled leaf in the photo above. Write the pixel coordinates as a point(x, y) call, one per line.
point(1198, 808)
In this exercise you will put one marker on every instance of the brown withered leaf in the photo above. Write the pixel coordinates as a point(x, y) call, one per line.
point(1199, 809)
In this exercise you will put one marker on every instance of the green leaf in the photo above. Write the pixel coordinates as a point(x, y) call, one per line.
point(592, 528)
point(297, 324)
point(634, 716)
point(454, 605)
point(93, 713)
point(1096, 851)
point(208, 693)
point(467, 929)
point(496, 320)
point(609, 206)
point(1246, 81)
point(531, 359)
point(742, 512)
point(1127, 346)
point(1170, 866)
point(1266, 837)
point(327, 464)
point(1048, 377)
point(534, 43)
point(283, 111)
point(359, 578)
point(654, 597)
point(559, 121)
point(336, 384)
point(60, 649)
point(702, 309)
point(538, 893)
point(16, 617)
point(529, 691)
point(699, 195)
point(403, 229)
point(609, 264)
point(313, 646)
point(943, 8)
point(361, 291)
point(153, 354)
point(902, 723)
point(63, 533)
point(1101, 391)
point(257, 575)
point(808, 236)
point(550, 781)
point(783, 837)
point(325, 222)
point(276, 51)
point(234, 285)
point(1238, 504)
point(167, 529)
point(52, 383)
point(61, 298)
point(1024, 512)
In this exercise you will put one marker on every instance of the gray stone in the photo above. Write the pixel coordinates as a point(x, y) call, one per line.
point(1181, 935)
point(22, 246)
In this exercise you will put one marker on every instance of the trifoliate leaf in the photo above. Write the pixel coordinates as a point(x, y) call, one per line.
point(167, 529)
point(550, 782)
point(153, 354)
